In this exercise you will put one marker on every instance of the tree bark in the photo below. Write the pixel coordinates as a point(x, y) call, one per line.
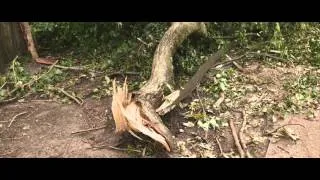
point(162, 67)
point(12, 43)
point(28, 36)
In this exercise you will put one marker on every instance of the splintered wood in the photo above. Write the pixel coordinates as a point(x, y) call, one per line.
point(128, 116)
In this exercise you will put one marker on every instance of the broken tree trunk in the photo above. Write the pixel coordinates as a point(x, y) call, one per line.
point(139, 114)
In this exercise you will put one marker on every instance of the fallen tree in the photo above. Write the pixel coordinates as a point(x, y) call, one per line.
point(140, 112)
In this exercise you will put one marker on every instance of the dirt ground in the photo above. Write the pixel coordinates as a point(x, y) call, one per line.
point(44, 128)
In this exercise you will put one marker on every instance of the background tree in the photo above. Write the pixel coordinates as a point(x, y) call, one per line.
point(12, 43)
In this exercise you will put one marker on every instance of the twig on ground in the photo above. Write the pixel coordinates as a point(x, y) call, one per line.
point(76, 99)
point(266, 55)
point(267, 150)
point(123, 149)
point(229, 61)
point(43, 100)
point(8, 100)
point(88, 130)
point(3, 85)
point(122, 73)
point(236, 139)
point(220, 148)
point(239, 67)
point(14, 118)
point(75, 68)
point(220, 100)
point(143, 42)
point(243, 144)
point(279, 147)
point(273, 131)
point(144, 152)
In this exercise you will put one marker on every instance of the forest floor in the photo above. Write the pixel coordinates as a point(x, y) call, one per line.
point(37, 127)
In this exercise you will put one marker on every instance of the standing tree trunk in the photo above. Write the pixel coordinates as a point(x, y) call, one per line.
point(12, 43)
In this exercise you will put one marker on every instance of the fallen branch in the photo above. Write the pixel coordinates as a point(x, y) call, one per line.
point(88, 130)
point(14, 118)
point(243, 144)
point(32, 81)
point(174, 98)
point(236, 139)
point(76, 99)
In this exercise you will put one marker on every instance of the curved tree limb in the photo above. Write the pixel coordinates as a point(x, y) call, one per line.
point(162, 67)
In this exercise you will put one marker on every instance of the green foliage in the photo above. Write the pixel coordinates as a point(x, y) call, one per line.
point(130, 46)
point(303, 92)
point(120, 46)
point(220, 82)
point(204, 120)
point(14, 79)
point(17, 82)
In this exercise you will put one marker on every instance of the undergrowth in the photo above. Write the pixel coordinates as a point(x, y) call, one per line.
point(129, 47)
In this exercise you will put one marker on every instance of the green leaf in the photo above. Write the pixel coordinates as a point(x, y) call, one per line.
point(222, 86)
point(58, 71)
point(3, 92)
